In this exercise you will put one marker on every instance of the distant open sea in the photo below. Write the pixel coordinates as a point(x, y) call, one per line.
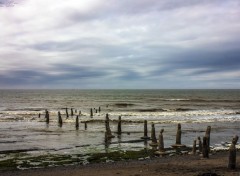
point(22, 130)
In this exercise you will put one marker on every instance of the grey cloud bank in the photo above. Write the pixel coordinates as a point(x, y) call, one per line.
point(120, 44)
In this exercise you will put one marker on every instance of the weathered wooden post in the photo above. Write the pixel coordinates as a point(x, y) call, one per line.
point(205, 151)
point(99, 109)
point(106, 137)
point(145, 131)
point(199, 145)
point(179, 134)
point(72, 112)
point(85, 125)
point(39, 115)
point(77, 123)
point(91, 112)
point(67, 113)
point(59, 119)
point(153, 136)
point(207, 135)
point(161, 150)
point(108, 130)
point(178, 137)
point(119, 125)
point(75, 111)
point(95, 110)
point(232, 154)
point(194, 147)
point(47, 116)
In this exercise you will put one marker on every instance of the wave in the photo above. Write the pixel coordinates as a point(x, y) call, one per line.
point(24, 109)
point(156, 115)
point(203, 100)
point(122, 105)
point(177, 99)
point(151, 110)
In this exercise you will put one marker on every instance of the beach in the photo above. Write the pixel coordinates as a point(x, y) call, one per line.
point(189, 165)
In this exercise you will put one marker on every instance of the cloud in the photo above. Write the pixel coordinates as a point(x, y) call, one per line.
point(119, 44)
point(59, 74)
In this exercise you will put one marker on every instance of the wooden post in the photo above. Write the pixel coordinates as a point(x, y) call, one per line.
point(153, 136)
point(99, 109)
point(207, 135)
point(199, 145)
point(119, 125)
point(72, 112)
point(145, 131)
point(75, 111)
point(178, 137)
point(179, 134)
point(77, 123)
point(67, 113)
point(161, 142)
point(80, 113)
point(47, 116)
point(39, 115)
point(59, 119)
point(85, 125)
point(108, 130)
point(194, 147)
point(232, 154)
point(205, 151)
point(161, 150)
point(91, 112)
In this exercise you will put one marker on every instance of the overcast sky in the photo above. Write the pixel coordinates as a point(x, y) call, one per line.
point(120, 44)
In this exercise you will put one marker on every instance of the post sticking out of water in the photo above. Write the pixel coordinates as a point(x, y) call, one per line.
point(153, 136)
point(75, 111)
point(194, 147)
point(67, 113)
point(199, 145)
point(205, 151)
point(71, 111)
point(178, 137)
point(80, 113)
point(59, 119)
point(91, 112)
point(108, 130)
point(47, 116)
point(119, 125)
point(85, 125)
point(179, 134)
point(39, 115)
point(77, 123)
point(145, 131)
point(232, 154)
point(96, 110)
point(161, 142)
point(161, 150)
point(207, 135)
point(99, 109)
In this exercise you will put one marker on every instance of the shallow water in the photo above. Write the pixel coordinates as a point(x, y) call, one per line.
point(22, 131)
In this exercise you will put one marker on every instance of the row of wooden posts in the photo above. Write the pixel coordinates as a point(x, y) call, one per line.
point(92, 110)
point(203, 146)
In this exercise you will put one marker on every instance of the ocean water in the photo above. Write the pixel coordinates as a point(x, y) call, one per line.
point(22, 130)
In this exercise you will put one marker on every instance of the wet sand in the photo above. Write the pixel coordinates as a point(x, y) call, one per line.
point(187, 165)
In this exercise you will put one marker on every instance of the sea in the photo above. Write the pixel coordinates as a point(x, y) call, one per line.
point(24, 131)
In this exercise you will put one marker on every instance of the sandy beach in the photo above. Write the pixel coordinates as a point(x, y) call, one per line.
point(188, 165)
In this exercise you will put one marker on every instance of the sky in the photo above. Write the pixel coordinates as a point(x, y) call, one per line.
point(120, 44)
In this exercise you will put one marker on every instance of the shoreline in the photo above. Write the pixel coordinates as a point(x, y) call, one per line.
point(170, 166)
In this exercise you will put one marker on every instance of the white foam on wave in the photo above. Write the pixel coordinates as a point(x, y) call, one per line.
point(177, 99)
point(161, 117)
